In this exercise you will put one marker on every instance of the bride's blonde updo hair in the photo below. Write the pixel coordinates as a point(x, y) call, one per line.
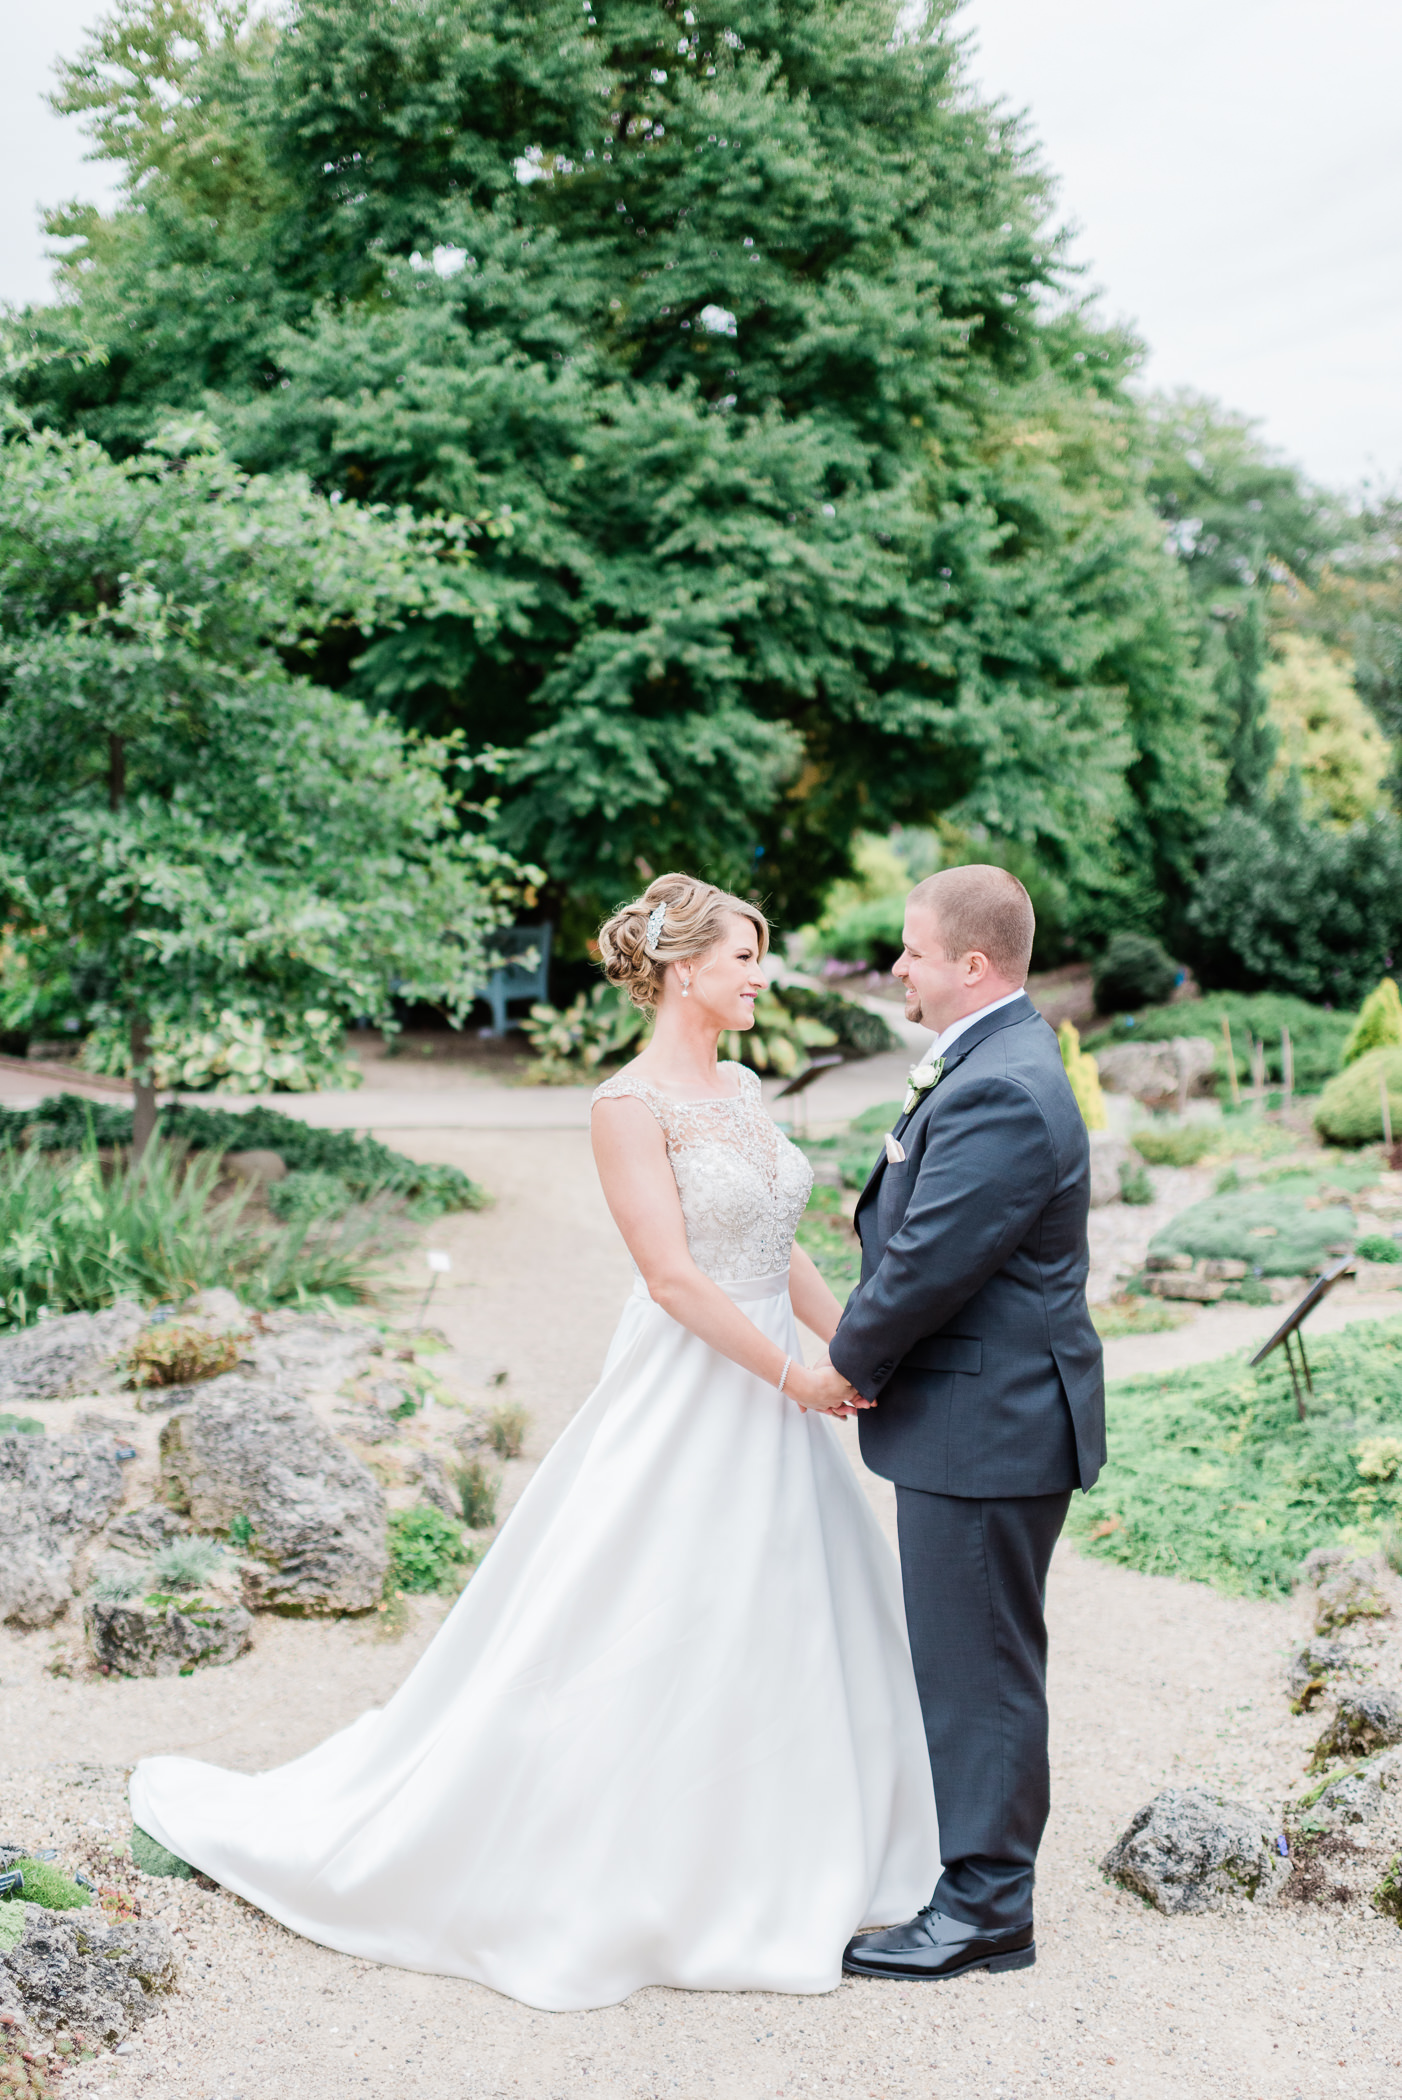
point(695, 919)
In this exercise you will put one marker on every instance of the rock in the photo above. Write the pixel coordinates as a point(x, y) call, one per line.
point(1191, 1850)
point(1172, 1283)
point(1354, 1592)
point(1169, 1264)
point(1315, 1662)
point(145, 1529)
point(1159, 1074)
point(433, 1483)
point(1108, 1154)
point(1365, 1721)
point(67, 1355)
point(218, 1309)
point(368, 1425)
point(56, 1493)
point(257, 1166)
point(160, 1399)
point(1359, 1796)
point(143, 1642)
point(244, 1449)
point(1225, 1269)
point(73, 1971)
point(305, 1353)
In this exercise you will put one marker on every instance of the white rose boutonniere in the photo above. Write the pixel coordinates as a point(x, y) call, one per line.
point(922, 1079)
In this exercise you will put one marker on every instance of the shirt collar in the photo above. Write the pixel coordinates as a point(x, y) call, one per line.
point(944, 1043)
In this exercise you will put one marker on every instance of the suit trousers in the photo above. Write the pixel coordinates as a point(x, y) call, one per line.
point(974, 1574)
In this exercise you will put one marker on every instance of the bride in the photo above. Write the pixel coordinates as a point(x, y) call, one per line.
point(669, 1734)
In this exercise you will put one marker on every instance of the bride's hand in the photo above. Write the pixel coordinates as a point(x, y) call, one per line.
point(823, 1389)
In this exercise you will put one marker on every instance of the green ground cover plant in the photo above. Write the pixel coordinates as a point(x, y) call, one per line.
point(64, 1123)
point(1213, 1478)
point(1317, 1033)
point(1168, 1143)
point(1268, 1223)
point(48, 1885)
point(427, 1550)
point(76, 1233)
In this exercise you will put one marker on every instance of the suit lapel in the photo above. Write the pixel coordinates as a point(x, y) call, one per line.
point(978, 1032)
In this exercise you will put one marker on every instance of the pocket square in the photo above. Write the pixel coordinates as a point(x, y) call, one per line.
point(895, 1150)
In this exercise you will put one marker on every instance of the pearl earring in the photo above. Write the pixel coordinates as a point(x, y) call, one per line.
point(686, 989)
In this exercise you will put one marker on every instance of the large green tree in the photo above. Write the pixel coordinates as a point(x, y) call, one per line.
point(196, 841)
point(806, 498)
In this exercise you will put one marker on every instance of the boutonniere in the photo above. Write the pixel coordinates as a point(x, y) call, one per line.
point(922, 1079)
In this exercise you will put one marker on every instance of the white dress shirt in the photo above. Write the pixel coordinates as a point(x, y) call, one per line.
point(944, 1043)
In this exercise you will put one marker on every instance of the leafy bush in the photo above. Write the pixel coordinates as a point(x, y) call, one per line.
point(872, 932)
point(1135, 1185)
point(1130, 1315)
point(47, 1885)
point(1134, 971)
point(65, 1122)
point(601, 1027)
point(854, 1026)
point(1375, 1246)
point(1317, 1033)
point(1212, 1477)
point(604, 1026)
point(1265, 1225)
point(426, 1549)
point(1350, 1110)
point(20, 1425)
point(1288, 906)
point(301, 1197)
point(1176, 1145)
point(478, 1488)
point(176, 1354)
point(780, 1038)
point(506, 1429)
point(186, 1564)
point(1379, 1023)
point(74, 1237)
point(232, 1052)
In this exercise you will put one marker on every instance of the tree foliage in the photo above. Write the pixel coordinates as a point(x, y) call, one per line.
point(801, 507)
point(194, 833)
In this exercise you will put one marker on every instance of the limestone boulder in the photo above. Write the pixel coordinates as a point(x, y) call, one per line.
point(1159, 1074)
point(75, 1353)
point(56, 1493)
point(317, 1515)
point(72, 1972)
point(1365, 1721)
point(1194, 1850)
point(143, 1641)
point(1108, 1154)
point(1358, 1797)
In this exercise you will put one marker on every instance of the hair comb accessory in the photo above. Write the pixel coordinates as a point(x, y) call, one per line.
point(656, 920)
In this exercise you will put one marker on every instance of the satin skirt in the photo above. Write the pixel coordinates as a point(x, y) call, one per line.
point(669, 1734)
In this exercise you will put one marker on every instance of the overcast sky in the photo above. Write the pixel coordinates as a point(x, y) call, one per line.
point(1233, 168)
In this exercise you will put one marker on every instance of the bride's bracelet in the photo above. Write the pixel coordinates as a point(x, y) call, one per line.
point(788, 1365)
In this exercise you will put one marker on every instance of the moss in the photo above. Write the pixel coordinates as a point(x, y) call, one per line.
point(46, 1885)
point(153, 1858)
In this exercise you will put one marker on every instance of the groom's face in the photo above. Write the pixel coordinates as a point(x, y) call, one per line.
point(938, 990)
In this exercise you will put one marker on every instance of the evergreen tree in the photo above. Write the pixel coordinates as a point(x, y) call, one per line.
point(800, 508)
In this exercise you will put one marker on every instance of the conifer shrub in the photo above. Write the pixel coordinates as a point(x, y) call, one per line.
point(1379, 1023)
point(1134, 971)
point(1350, 1110)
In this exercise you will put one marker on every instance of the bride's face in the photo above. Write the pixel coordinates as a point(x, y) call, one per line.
point(726, 979)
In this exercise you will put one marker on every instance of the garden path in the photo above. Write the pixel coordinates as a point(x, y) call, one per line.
point(1152, 1682)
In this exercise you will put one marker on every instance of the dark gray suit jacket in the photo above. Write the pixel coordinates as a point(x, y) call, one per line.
point(969, 1326)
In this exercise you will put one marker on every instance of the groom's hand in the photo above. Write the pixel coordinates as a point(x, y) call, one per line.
point(827, 1391)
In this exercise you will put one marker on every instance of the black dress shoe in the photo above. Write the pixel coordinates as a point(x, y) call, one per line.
point(932, 1946)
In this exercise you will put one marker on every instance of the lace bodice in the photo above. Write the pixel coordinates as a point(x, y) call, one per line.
point(743, 1186)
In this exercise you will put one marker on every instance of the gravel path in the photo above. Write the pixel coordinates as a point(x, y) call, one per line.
point(1152, 1683)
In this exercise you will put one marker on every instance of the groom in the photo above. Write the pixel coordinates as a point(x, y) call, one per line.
point(969, 1329)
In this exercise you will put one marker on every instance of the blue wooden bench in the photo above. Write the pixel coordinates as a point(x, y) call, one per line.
point(522, 973)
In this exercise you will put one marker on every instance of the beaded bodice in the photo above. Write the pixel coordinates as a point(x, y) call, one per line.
point(743, 1186)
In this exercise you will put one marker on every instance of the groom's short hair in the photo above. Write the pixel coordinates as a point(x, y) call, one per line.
point(984, 908)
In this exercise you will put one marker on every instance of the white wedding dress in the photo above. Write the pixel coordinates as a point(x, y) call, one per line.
point(669, 1734)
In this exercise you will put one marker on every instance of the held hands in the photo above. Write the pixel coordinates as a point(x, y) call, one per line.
point(824, 1389)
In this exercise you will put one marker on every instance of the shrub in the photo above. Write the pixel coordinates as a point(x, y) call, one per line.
point(1379, 1023)
point(478, 1489)
point(872, 932)
point(601, 1027)
point(1267, 1226)
point(1084, 1075)
point(1213, 1478)
point(854, 1026)
point(1289, 906)
point(1317, 1033)
point(1135, 1185)
point(307, 1195)
point(174, 1354)
point(1176, 1145)
point(1350, 1110)
point(118, 1585)
point(1375, 1246)
point(1134, 971)
point(20, 1425)
point(426, 1549)
point(67, 1122)
point(506, 1429)
point(186, 1564)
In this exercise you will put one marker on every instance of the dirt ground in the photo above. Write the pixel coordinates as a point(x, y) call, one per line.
point(1152, 1683)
